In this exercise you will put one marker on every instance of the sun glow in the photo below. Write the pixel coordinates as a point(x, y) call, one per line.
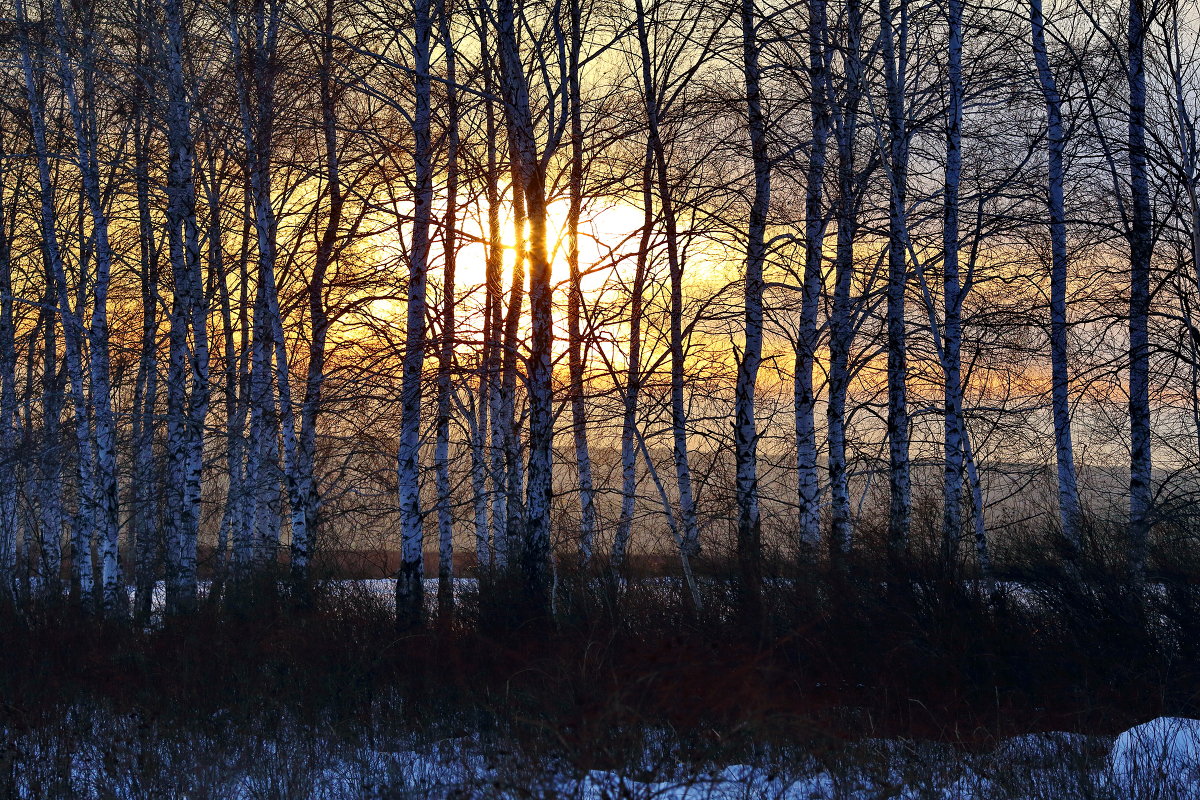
point(608, 238)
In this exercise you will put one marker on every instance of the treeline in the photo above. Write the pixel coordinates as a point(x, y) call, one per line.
point(279, 276)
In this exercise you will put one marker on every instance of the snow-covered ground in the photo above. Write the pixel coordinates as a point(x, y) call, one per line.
point(113, 758)
point(1159, 760)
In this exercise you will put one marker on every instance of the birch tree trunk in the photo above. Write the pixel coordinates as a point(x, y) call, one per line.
point(1187, 145)
point(479, 469)
point(531, 178)
point(894, 39)
point(494, 351)
point(814, 238)
point(198, 402)
point(409, 588)
point(575, 345)
point(952, 293)
point(241, 496)
point(633, 376)
point(103, 523)
point(841, 324)
point(445, 516)
point(231, 518)
point(260, 476)
point(262, 457)
point(494, 360)
point(145, 532)
point(482, 452)
point(270, 373)
point(690, 532)
point(745, 427)
point(71, 324)
point(188, 367)
point(304, 539)
point(50, 504)
point(10, 592)
point(1141, 251)
point(510, 424)
point(1068, 492)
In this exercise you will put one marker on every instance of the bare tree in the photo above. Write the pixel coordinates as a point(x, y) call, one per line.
point(409, 589)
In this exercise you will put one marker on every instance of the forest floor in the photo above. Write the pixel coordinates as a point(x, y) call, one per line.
point(845, 689)
point(100, 757)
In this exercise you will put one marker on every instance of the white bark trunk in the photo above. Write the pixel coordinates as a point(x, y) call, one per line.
point(304, 539)
point(510, 421)
point(745, 426)
point(49, 568)
point(1068, 491)
point(814, 237)
point(102, 516)
point(952, 483)
point(689, 533)
point(230, 515)
point(71, 323)
point(10, 591)
point(188, 368)
point(530, 171)
point(633, 376)
point(270, 373)
point(494, 354)
point(409, 588)
point(576, 349)
point(894, 37)
point(146, 532)
point(445, 515)
point(1141, 251)
point(841, 323)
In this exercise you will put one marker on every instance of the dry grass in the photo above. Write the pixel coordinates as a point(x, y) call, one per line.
point(852, 683)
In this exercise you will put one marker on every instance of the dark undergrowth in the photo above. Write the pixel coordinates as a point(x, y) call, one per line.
point(835, 656)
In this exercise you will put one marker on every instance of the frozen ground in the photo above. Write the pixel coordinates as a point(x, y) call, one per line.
point(1155, 761)
point(118, 757)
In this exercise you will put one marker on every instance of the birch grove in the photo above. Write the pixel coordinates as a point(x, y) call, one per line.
point(512, 291)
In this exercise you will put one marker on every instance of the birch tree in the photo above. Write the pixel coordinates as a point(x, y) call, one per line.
point(304, 537)
point(1068, 490)
point(633, 374)
point(652, 96)
point(409, 588)
point(72, 327)
point(844, 111)
point(101, 507)
point(575, 346)
point(445, 516)
point(894, 46)
point(529, 171)
point(10, 590)
point(746, 432)
point(815, 225)
point(1141, 252)
point(144, 483)
point(187, 375)
point(952, 290)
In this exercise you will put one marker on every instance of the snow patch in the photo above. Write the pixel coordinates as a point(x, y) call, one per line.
point(1163, 753)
